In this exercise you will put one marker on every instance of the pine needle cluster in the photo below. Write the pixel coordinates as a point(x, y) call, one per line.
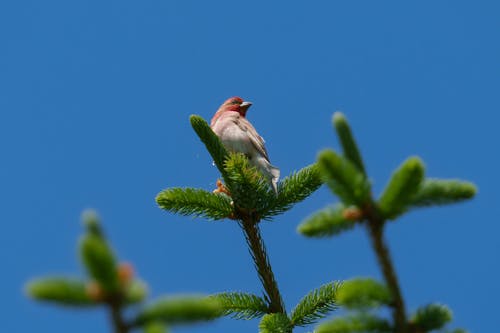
point(250, 200)
point(245, 197)
point(112, 284)
point(407, 189)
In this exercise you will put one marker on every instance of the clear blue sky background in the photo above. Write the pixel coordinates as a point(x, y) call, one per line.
point(95, 98)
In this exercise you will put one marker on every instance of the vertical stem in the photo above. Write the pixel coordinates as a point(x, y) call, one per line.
point(262, 264)
point(119, 325)
point(376, 227)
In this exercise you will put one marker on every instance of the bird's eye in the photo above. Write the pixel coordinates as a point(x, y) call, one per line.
point(235, 101)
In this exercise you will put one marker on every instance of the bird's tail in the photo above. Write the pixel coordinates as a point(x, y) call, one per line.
point(271, 172)
point(275, 175)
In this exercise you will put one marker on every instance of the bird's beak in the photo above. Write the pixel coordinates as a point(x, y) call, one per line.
point(245, 105)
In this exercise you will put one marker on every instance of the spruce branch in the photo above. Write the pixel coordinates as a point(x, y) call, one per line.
point(155, 327)
point(181, 309)
point(406, 189)
point(315, 305)
point(197, 202)
point(241, 305)
point(113, 286)
point(100, 261)
point(442, 192)
point(115, 313)
point(293, 189)
point(92, 224)
point(431, 317)
point(275, 323)
point(402, 187)
point(349, 147)
point(344, 178)
point(326, 222)
point(363, 293)
point(362, 323)
point(249, 200)
point(375, 227)
point(211, 141)
point(250, 191)
point(262, 265)
point(135, 292)
point(60, 290)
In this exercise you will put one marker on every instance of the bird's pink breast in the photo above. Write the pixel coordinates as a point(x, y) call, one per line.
point(232, 136)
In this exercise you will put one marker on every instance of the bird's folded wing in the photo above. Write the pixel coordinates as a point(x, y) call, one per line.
point(255, 138)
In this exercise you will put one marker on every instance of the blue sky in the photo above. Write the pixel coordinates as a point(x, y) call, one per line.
point(95, 98)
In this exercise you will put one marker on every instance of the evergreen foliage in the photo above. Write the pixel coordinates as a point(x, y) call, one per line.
point(250, 193)
point(361, 323)
point(246, 197)
point(315, 305)
point(155, 327)
point(344, 178)
point(196, 202)
point(175, 310)
point(431, 317)
point(249, 201)
point(99, 261)
point(326, 222)
point(136, 292)
point(275, 323)
point(60, 290)
point(242, 305)
point(407, 188)
point(435, 192)
point(291, 190)
point(363, 293)
point(211, 141)
point(114, 286)
point(349, 147)
point(249, 190)
point(401, 188)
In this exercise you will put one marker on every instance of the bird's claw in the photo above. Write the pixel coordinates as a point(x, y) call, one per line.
point(221, 188)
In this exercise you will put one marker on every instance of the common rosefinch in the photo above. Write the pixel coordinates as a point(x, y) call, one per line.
point(238, 135)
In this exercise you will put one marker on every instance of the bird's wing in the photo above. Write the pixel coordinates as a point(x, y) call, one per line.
point(255, 138)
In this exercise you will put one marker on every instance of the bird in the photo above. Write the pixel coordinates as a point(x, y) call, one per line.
point(238, 135)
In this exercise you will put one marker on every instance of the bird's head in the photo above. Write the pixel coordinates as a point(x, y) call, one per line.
point(236, 104)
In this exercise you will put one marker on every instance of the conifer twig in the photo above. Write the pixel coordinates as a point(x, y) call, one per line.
point(259, 255)
point(119, 325)
point(376, 229)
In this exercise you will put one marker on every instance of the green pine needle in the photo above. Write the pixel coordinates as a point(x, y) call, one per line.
point(197, 202)
point(402, 187)
point(431, 317)
point(241, 305)
point(91, 221)
point(249, 189)
point(442, 192)
point(293, 189)
point(179, 310)
point(344, 178)
point(60, 290)
point(100, 261)
point(211, 141)
point(155, 327)
point(349, 147)
point(363, 293)
point(362, 323)
point(315, 305)
point(136, 292)
point(326, 222)
point(275, 323)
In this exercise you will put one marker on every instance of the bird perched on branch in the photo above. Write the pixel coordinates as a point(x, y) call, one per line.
point(238, 135)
